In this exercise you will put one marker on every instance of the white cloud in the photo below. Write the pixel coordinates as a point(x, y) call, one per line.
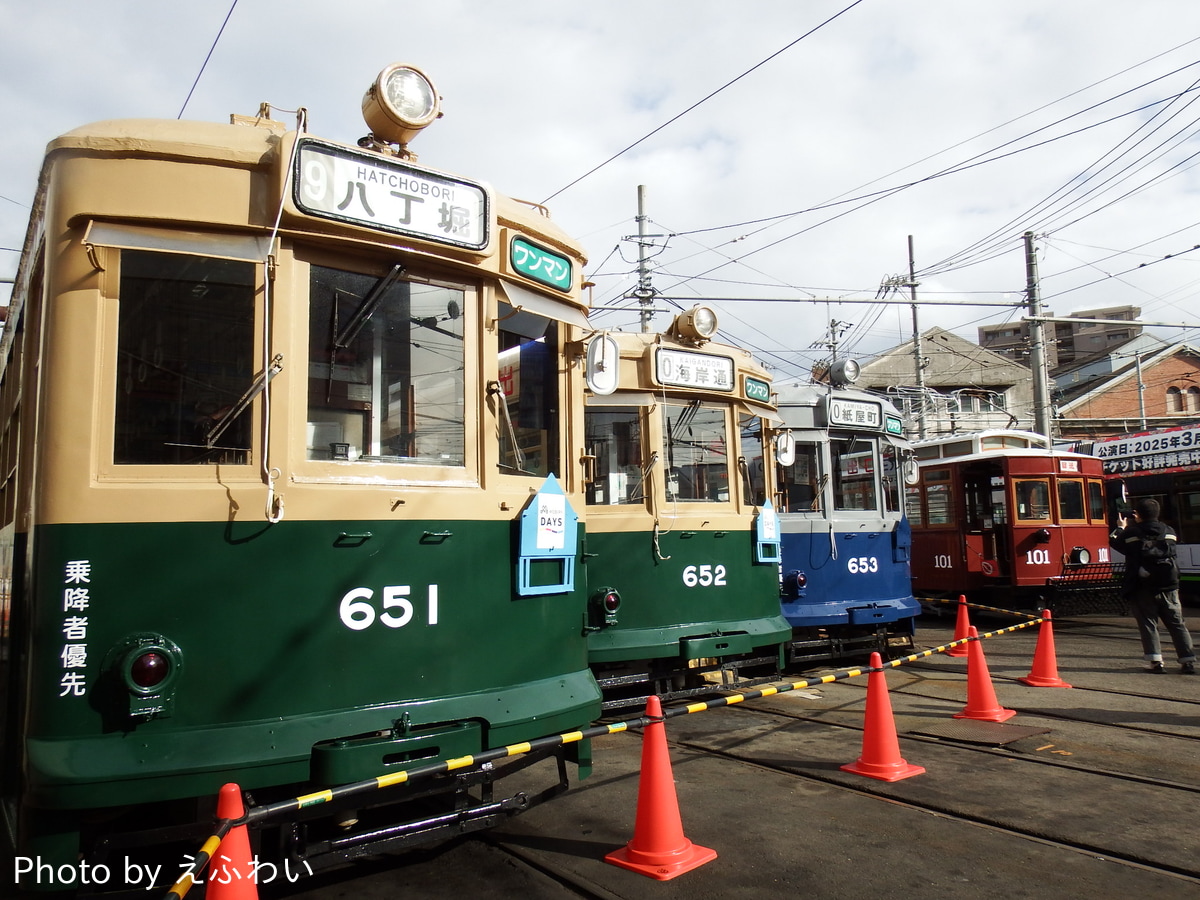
point(536, 94)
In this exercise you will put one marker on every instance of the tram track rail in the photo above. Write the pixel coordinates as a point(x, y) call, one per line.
point(1191, 876)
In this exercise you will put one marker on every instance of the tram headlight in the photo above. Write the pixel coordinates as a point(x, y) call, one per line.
point(844, 372)
point(400, 103)
point(697, 324)
point(1080, 556)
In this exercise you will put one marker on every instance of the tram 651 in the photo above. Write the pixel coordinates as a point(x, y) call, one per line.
point(290, 484)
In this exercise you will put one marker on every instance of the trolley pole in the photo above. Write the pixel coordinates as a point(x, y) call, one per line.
point(1037, 346)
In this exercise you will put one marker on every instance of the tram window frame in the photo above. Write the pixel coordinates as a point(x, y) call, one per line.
point(1071, 509)
point(801, 486)
point(1097, 508)
point(753, 488)
point(140, 314)
point(913, 508)
point(1025, 515)
point(530, 422)
point(628, 444)
point(386, 469)
point(891, 483)
point(369, 374)
point(848, 495)
point(938, 483)
point(675, 478)
point(1187, 507)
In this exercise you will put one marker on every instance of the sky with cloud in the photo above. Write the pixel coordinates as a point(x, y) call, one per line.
point(787, 148)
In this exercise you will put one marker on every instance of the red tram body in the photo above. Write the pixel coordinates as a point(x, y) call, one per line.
point(1001, 517)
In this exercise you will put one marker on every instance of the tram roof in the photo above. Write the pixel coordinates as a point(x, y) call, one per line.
point(253, 142)
point(988, 444)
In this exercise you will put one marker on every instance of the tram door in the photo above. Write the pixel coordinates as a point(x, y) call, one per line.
point(985, 518)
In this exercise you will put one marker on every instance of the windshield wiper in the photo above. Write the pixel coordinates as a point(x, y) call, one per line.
point(257, 387)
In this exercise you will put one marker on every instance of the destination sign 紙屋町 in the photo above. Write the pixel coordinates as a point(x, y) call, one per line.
point(364, 189)
point(861, 413)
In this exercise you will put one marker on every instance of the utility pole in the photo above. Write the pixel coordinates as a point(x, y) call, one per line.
point(644, 292)
point(1037, 345)
point(1141, 389)
point(918, 355)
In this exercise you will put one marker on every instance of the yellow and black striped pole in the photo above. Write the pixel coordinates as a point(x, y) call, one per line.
point(263, 814)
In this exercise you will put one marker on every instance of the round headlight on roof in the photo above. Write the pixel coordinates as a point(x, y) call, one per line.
point(844, 372)
point(699, 323)
point(400, 103)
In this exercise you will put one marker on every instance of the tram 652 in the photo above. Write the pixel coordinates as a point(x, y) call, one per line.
point(289, 488)
point(682, 541)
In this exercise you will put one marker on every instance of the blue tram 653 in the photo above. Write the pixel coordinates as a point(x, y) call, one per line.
point(846, 544)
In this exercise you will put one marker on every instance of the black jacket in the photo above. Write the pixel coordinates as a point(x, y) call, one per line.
point(1128, 541)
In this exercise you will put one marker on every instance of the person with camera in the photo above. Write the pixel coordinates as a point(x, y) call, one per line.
point(1152, 583)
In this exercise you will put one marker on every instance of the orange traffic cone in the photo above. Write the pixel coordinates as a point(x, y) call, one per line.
point(1045, 666)
point(981, 697)
point(659, 848)
point(880, 748)
point(231, 874)
point(961, 629)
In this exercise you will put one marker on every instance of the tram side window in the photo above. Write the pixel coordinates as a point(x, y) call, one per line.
point(754, 487)
point(1188, 526)
point(939, 497)
point(1071, 500)
point(1096, 508)
point(1033, 501)
point(529, 417)
point(912, 505)
point(802, 483)
point(386, 379)
point(854, 467)
point(614, 438)
point(185, 356)
point(892, 481)
point(696, 452)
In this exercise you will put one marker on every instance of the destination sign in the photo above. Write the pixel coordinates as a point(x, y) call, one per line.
point(855, 413)
point(694, 370)
point(339, 183)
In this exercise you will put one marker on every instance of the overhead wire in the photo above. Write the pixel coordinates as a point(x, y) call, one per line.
point(979, 159)
point(701, 101)
point(1029, 220)
point(204, 65)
